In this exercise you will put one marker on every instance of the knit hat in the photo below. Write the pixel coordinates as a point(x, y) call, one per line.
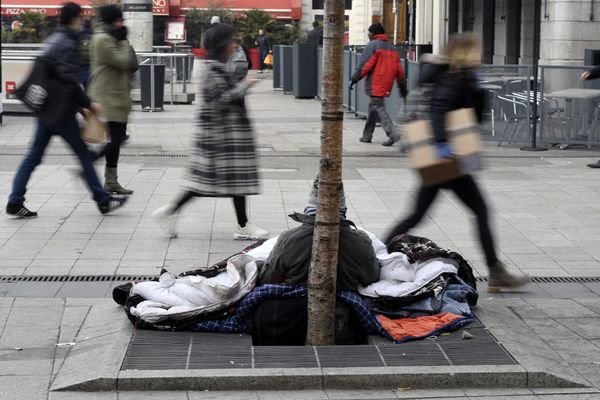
point(110, 13)
point(377, 29)
point(215, 20)
point(313, 199)
point(216, 40)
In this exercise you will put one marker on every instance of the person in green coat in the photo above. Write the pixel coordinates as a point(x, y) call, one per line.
point(113, 62)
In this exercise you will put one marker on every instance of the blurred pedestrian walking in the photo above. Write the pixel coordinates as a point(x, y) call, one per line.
point(223, 162)
point(113, 63)
point(85, 38)
point(315, 36)
point(264, 47)
point(62, 54)
point(456, 87)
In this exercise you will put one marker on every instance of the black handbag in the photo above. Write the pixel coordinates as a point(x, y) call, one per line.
point(46, 96)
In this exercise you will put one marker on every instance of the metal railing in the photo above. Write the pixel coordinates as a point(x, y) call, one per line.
point(570, 108)
point(178, 68)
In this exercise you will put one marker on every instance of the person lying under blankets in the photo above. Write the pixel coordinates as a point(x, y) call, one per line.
point(289, 260)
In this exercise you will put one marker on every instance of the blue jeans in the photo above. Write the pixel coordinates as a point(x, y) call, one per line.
point(68, 129)
point(263, 55)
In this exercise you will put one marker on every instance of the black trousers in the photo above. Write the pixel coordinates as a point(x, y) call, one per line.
point(117, 131)
point(468, 192)
point(239, 203)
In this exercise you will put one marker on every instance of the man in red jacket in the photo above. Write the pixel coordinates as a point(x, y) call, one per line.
point(380, 63)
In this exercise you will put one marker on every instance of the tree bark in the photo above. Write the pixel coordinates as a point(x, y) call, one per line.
point(323, 266)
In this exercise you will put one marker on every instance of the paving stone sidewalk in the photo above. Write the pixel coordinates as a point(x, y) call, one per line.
point(545, 211)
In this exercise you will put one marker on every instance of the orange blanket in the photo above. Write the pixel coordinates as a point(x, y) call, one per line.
point(404, 329)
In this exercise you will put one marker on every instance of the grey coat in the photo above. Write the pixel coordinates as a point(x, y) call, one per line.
point(237, 65)
point(223, 161)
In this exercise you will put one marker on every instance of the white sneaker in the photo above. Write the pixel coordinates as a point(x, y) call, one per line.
point(166, 220)
point(249, 232)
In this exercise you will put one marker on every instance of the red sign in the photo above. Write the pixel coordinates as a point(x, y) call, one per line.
point(50, 11)
point(10, 90)
point(10, 87)
point(160, 7)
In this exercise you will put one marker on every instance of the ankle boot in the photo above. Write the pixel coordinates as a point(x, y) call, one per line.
point(500, 278)
point(111, 183)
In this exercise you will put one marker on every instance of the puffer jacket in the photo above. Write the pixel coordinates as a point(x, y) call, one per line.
point(112, 65)
point(290, 258)
point(453, 91)
point(62, 49)
point(380, 63)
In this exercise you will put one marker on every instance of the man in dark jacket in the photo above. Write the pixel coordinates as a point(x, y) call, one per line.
point(593, 73)
point(380, 63)
point(62, 50)
point(264, 46)
point(290, 258)
point(315, 36)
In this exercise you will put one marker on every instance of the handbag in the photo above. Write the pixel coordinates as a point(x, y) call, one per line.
point(268, 59)
point(42, 93)
point(94, 130)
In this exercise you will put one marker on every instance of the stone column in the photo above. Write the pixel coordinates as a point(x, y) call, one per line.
point(424, 22)
point(138, 19)
point(440, 27)
point(360, 19)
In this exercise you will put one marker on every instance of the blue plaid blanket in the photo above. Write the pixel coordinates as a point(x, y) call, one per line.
point(236, 323)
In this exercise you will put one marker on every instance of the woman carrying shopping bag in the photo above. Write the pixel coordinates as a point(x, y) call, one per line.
point(113, 63)
point(455, 87)
point(223, 162)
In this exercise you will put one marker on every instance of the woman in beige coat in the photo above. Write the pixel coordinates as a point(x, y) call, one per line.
point(113, 63)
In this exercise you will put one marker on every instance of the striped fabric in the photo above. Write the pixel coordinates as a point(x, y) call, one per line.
point(236, 323)
point(223, 160)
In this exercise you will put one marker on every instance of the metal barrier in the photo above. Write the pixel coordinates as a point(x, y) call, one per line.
point(287, 70)
point(569, 107)
point(320, 71)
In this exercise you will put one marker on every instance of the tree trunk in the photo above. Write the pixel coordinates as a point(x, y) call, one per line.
point(323, 266)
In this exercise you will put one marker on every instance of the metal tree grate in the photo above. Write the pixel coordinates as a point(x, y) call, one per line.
point(155, 350)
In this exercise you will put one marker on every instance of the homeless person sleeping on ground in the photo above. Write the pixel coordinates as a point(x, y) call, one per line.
point(409, 290)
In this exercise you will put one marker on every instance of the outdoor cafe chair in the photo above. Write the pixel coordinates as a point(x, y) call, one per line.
point(516, 116)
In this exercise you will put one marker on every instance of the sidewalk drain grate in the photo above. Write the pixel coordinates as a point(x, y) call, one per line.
point(133, 278)
point(159, 350)
point(74, 278)
point(555, 279)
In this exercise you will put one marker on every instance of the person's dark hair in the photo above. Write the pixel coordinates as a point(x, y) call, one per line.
point(377, 29)
point(315, 24)
point(69, 12)
point(216, 40)
point(111, 13)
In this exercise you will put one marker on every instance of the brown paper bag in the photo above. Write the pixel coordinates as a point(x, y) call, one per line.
point(94, 130)
point(463, 136)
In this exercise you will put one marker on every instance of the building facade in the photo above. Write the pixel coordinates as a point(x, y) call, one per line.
point(360, 14)
point(568, 27)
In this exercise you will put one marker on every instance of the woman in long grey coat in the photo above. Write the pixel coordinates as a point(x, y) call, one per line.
point(223, 160)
